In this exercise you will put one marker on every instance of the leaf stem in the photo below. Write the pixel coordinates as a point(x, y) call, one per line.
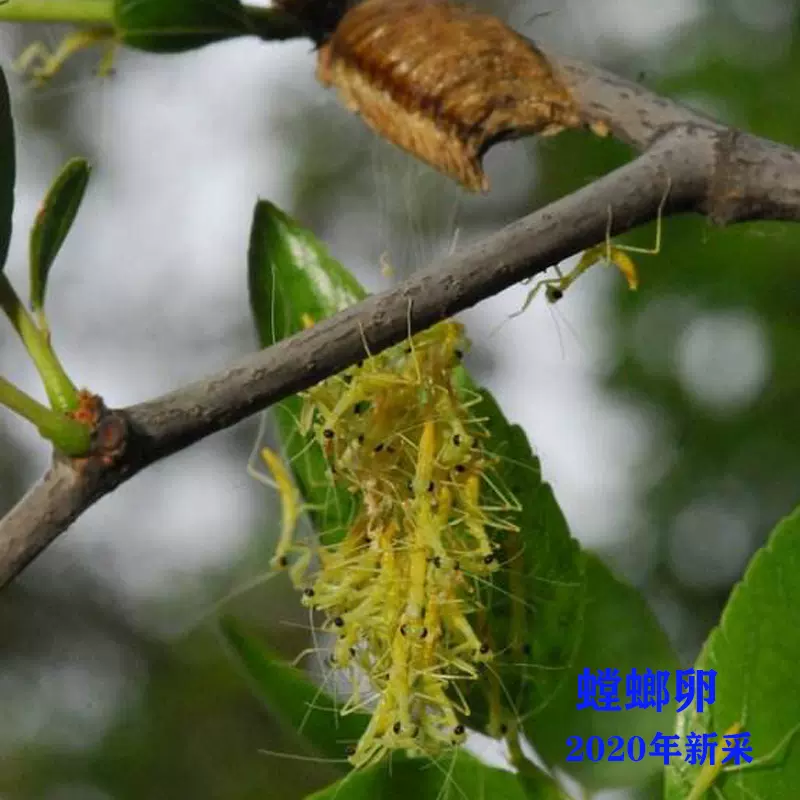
point(60, 390)
point(538, 782)
point(273, 23)
point(68, 435)
point(78, 12)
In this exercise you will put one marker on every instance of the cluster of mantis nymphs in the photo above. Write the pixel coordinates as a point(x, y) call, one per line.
point(402, 590)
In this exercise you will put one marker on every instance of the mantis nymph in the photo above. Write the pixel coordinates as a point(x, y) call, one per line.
point(613, 254)
point(42, 64)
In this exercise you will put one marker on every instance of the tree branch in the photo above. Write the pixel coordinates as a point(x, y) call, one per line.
point(709, 169)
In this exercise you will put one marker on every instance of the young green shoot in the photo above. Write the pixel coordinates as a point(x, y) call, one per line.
point(68, 435)
point(60, 390)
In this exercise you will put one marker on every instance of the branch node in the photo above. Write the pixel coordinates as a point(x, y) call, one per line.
point(109, 432)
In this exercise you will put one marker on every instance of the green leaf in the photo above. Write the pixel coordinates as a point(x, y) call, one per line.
point(53, 223)
point(291, 274)
point(7, 169)
point(172, 26)
point(457, 775)
point(547, 616)
point(287, 692)
point(755, 651)
point(619, 631)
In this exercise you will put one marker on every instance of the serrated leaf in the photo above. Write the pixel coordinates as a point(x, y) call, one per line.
point(291, 274)
point(303, 707)
point(544, 575)
point(755, 651)
point(619, 631)
point(7, 170)
point(172, 26)
point(534, 605)
point(53, 223)
point(457, 775)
